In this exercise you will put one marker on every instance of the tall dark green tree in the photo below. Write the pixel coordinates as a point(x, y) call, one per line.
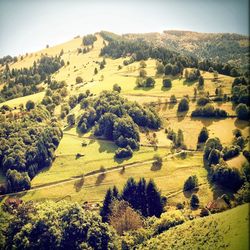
point(106, 208)
point(142, 197)
point(155, 204)
point(129, 192)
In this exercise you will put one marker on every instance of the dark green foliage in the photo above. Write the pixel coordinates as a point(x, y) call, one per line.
point(106, 207)
point(240, 94)
point(193, 75)
point(124, 152)
point(230, 152)
point(202, 101)
point(167, 83)
point(73, 101)
point(242, 112)
point(173, 99)
point(28, 143)
point(79, 79)
point(58, 226)
point(147, 82)
point(212, 143)
point(228, 177)
point(17, 181)
point(160, 68)
point(194, 201)
point(214, 156)
point(30, 105)
point(209, 111)
point(183, 105)
point(203, 136)
point(201, 82)
point(22, 82)
point(191, 183)
point(71, 119)
point(143, 197)
point(117, 88)
point(88, 40)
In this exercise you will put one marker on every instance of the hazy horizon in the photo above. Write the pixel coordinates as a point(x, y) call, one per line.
point(28, 25)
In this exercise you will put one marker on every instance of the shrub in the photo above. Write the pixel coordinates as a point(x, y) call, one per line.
point(242, 112)
point(230, 152)
point(30, 105)
point(204, 212)
point(167, 83)
point(183, 105)
point(173, 99)
point(123, 152)
point(191, 183)
point(117, 88)
point(203, 136)
point(194, 201)
point(208, 111)
point(79, 79)
point(202, 101)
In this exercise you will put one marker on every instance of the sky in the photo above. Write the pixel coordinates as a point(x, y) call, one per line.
point(28, 25)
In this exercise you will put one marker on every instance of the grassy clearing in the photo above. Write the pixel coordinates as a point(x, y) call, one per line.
point(96, 154)
point(22, 100)
point(169, 179)
point(227, 230)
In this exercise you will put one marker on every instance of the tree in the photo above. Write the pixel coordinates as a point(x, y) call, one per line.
point(155, 204)
point(168, 69)
point(95, 71)
point(194, 201)
point(117, 88)
point(242, 112)
point(214, 157)
point(201, 82)
point(129, 192)
point(79, 79)
point(17, 181)
point(183, 105)
point(167, 83)
point(203, 136)
point(124, 218)
point(173, 99)
point(30, 105)
point(191, 183)
point(106, 207)
point(160, 69)
point(212, 143)
point(142, 73)
point(71, 119)
point(143, 64)
point(179, 142)
point(157, 161)
point(150, 82)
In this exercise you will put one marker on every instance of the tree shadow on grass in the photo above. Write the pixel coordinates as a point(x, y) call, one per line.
point(189, 193)
point(79, 184)
point(181, 115)
point(143, 88)
point(100, 178)
point(106, 146)
point(189, 83)
point(165, 89)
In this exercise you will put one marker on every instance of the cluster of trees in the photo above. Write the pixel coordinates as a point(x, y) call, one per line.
point(242, 112)
point(177, 139)
point(193, 75)
point(191, 183)
point(61, 225)
point(209, 111)
point(117, 119)
point(145, 82)
point(7, 60)
point(169, 69)
point(24, 81)
point(88, 40)
point(229, 177)
point(27, 145)
point(142, 196)
point(240, 90)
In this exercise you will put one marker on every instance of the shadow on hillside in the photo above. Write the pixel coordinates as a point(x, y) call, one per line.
point(240, 124)
point(100, 178)
point(165, 89)
point(143, 88)
point(79, 184)
point(189, 83)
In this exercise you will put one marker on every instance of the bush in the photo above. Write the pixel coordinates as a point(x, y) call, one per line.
point(194, 201)
point(202, 101)
point(17, 181)
point(208, 111)
point(167, 83)
point(183, 105)
point(191, 183)
point(230, 152)
point(123, 152)
point(71, 119)
point(173, 99)
point(30, 105)
point(79, 79)
point(117, 88)
point(203, 136)
point(242, 112)
point(204, 212)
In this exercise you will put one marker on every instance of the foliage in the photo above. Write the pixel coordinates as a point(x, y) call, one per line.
point(88, 40)
point(203, 136)
point(194, 201)
point(167, 83)
point(209, 111)
point(124, 152)
point(230, 152)
point(191, 183)
point(242, 112)
point(183, 105)
point(30, 105)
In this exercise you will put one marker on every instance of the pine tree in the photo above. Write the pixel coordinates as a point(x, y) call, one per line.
point(106, 208)
point(142, 197)
point(155, 204)
point(129, 192)
point(116, 194)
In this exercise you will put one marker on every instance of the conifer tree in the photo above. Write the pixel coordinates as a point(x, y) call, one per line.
point(142, 197)
point(106, 208)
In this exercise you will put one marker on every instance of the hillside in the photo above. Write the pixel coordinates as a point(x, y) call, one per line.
point(227, 230)
point(104, 118)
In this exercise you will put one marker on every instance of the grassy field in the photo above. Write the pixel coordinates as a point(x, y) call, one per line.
point(227, 230)
point(96, 154)
point(169, 178)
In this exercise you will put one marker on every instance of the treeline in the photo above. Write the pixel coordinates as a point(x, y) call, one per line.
point(117, 119)
point(27, 144)
point(209, 111)
point(139, 49)
point(88, 40)
point(8, 59)
point(24, 81)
